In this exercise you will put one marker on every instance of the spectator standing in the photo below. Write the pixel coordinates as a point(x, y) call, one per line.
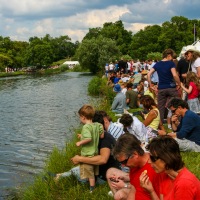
point(193, 56)
point(182, 70)
point(106, 69)
point(111, 67)
point(168, 79)
point(122, 66)
point(192, 85)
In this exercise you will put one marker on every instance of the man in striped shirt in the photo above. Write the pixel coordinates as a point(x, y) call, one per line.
point(113, 128)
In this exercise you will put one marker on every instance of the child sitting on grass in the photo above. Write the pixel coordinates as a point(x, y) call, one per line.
point(89, 140)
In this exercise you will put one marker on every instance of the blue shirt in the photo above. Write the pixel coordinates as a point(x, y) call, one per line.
point(189, 127)
point(166, 79)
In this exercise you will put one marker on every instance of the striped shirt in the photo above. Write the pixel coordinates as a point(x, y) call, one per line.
point(115, 129)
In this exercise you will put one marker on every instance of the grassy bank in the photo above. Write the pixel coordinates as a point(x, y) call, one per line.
point(59, 161)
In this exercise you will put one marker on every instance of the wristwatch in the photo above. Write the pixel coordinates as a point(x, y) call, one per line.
point(126, 185)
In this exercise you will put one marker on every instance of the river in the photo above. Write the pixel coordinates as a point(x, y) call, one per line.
point(37, 113)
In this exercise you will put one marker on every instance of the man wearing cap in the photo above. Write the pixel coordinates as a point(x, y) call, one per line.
point(193, 56)
point(119, 103)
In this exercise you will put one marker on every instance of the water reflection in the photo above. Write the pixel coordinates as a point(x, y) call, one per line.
point(36, 114)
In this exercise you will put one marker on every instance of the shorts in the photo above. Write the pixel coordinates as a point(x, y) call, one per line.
point(88, 171)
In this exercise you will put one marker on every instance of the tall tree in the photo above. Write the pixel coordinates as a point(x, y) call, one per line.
point(94, 53)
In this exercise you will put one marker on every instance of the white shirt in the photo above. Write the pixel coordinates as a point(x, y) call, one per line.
point(195, 65)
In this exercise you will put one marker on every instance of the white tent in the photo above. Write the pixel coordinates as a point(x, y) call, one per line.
point(195, 45)
point(71, 63)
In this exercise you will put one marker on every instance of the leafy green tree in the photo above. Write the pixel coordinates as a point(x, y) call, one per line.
point(145, 41)
point(94, 53)
point(93, 33)
point(5, 61)
point(40, 55)
point(154, 56)
point(116, 32)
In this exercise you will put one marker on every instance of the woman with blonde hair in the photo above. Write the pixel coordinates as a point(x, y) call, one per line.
point(192, 89)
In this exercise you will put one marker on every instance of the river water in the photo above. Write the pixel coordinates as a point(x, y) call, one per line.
point(36, 114)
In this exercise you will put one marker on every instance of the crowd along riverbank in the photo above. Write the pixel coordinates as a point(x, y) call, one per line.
point(59, 161)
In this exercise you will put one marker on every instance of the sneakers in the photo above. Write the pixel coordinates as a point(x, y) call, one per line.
point(110, 193)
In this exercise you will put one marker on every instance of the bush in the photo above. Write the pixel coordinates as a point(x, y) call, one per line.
point(94, 88)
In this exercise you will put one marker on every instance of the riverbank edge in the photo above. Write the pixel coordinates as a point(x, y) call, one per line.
point(38, 72)
point(44, 186)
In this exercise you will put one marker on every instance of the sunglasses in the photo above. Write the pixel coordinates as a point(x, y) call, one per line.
point(173, 111)
point(154, 158)
point(124, 162)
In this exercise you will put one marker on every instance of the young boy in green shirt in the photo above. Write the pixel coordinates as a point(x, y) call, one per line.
point(89, 140)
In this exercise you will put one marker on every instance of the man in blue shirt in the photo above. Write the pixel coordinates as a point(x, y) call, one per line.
point(187, 129)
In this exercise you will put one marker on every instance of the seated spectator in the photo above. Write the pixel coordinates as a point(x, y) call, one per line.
point(131, 97)
point(117, 78)
point(186, 131)
point(123, 87)
point(125, 77)
point(129, 153)
point(152, 118)
point(111, 78)
point(136, 78)
point(134, 126)
point(105, 159)
point(174, 180)
point(149, 91)
point(113, 128)
point(119, 102)
point(140, 92)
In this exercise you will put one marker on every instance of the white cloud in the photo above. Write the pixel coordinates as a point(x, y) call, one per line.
point(23, 19)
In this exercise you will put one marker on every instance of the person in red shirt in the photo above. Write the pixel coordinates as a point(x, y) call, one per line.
point(165, 157)
point(129, 152)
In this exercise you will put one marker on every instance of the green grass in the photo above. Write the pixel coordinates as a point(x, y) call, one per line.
point(69, 188)
point(18, 73)
point(59, 161)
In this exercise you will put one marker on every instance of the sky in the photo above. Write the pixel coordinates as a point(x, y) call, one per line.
point(22, 19)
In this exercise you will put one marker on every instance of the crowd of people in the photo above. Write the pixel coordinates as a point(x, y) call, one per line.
point(140, 159)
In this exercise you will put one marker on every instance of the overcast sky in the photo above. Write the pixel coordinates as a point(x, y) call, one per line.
point(22, 19)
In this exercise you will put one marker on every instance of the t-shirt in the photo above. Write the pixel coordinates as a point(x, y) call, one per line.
point(91, 131)
point(189, 127)
point(182, 68)
point(132, 96)
point(107, 142)
point(166, 79)
point(195, 65)
point(185, 186)
point(195, 92)
point(141, 193)
point(119, 102)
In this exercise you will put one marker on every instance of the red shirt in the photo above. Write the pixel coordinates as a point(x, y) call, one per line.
point(184, 187)
point(141, 193)
point(195, 92)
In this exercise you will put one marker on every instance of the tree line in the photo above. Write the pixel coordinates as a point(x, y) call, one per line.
point(100, 45)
